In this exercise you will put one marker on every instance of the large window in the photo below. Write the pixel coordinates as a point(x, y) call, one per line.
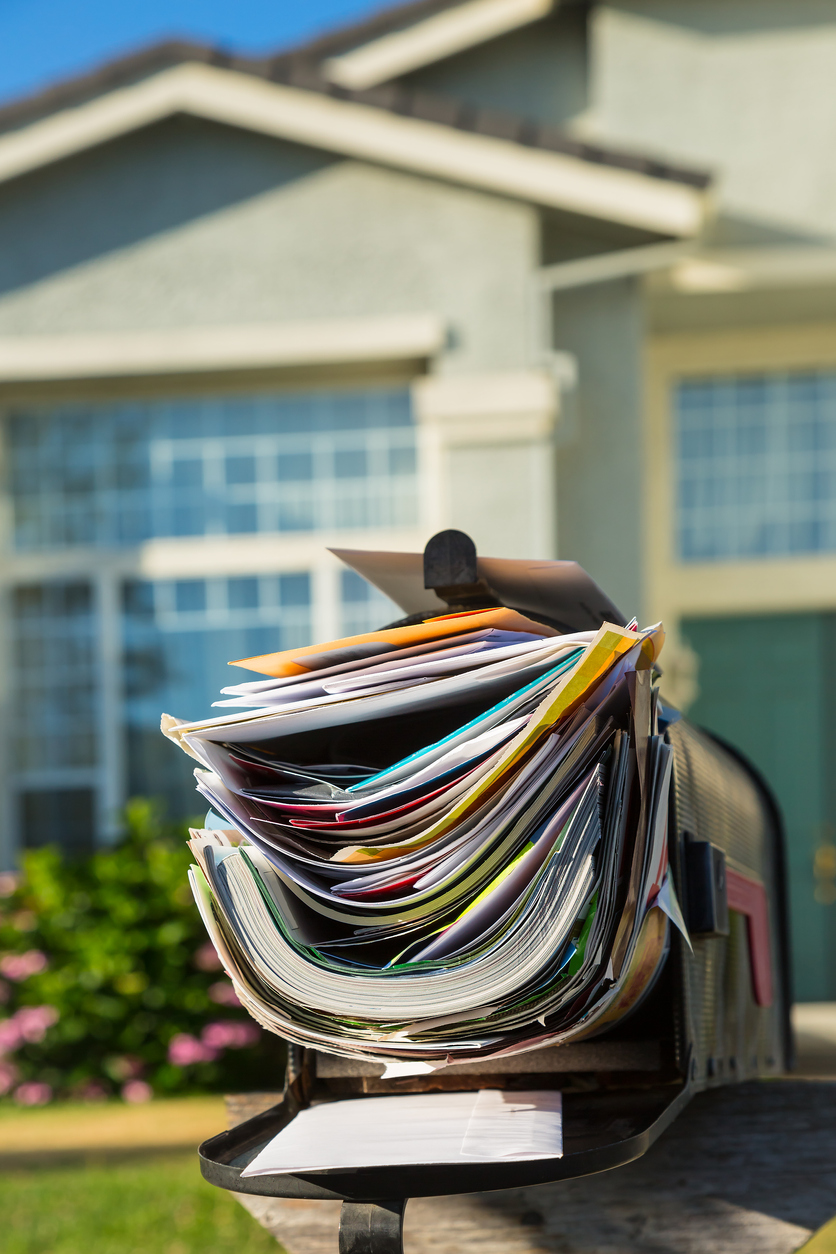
point(756, 465)
point(117, 474)
point(96, 654)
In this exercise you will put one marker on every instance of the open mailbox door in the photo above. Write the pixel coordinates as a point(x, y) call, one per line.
point(670, 976)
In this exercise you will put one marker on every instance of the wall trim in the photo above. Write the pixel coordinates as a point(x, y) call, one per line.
point(510, 407)
point(211, 349)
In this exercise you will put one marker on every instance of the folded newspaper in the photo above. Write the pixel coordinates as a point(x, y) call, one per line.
point(441, 841)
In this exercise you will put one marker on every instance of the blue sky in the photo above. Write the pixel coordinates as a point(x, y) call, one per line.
point(42, 41)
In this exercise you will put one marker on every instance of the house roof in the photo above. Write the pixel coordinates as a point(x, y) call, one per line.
point(306, 59)
point(290, 95)
point(298, 69)
point(300, 59)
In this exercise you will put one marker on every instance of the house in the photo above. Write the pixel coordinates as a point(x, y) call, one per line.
point(560, 274)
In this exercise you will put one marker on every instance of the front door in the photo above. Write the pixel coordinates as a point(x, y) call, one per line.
point(767, 684)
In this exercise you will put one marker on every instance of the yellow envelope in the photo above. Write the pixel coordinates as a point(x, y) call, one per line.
point(610, 644)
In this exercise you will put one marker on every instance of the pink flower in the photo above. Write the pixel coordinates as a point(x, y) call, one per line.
point(33, 1022)
point(206, 958)
point(33, 1094)
point(10, 1035)
point(184, 1050)
point(229, 1034)
point(223, 994)
point(21, 966)
point(137, 1091)
point(8, 1076)
point(8, 883)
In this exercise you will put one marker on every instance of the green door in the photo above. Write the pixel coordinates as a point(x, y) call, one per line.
point(767, 684)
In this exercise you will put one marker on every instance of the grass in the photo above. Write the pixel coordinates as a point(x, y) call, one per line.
point(158, 1205)
point(167, 1123)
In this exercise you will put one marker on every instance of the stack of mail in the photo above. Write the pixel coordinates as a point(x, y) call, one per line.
point(439, 841)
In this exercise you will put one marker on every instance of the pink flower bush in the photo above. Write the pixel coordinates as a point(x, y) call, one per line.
point(137, 1091)
point(8, 1076)
point(223, 994)
point(20, 966)
point(33, 1094)
point(28, 1025)
point(229, 1034)
point(184, 1050)
point(206, 958)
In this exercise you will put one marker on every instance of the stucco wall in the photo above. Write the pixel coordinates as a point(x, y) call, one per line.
point(190, 223)
point(742, 87)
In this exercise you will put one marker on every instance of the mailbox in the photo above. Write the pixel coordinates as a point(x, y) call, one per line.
point(717, 1012)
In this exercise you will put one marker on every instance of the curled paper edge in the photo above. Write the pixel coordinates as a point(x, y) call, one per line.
point(668, 902)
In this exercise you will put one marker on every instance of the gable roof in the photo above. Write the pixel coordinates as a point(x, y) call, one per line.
point(288, 97)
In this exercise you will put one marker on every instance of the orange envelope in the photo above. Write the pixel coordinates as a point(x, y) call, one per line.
point(291, 661)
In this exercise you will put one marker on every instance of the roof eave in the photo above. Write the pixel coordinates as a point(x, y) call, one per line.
point(365, 132)
point(433, 38)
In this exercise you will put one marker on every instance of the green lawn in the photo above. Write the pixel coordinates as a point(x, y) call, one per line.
point(156, 1205)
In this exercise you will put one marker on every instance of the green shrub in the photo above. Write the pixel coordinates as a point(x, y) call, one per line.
point(109, 984)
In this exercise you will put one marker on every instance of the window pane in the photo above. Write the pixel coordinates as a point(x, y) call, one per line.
point(190, 595)
point(295, 589)
point(756, 465)
point(187, 472)
point(295, 466)
point(240, 470)
point(242, 594)
point(350, 463)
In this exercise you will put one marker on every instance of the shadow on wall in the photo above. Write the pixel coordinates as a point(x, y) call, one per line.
point(152, 182)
